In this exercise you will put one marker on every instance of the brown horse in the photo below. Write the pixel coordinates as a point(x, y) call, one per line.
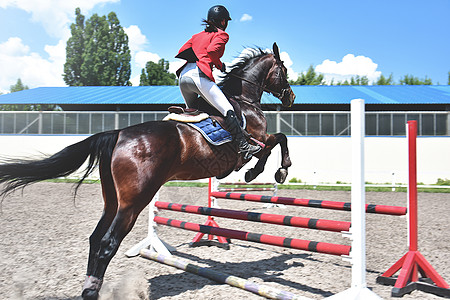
point(136, 161)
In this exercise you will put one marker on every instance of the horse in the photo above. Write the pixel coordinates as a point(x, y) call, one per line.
point(136, 161)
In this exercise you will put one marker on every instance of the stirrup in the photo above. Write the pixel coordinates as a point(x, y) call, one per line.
point(249, 150)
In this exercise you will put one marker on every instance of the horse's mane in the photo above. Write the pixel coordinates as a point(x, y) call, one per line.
point(228, 81)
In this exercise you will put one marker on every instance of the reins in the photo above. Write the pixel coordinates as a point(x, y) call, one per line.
point(264, 88)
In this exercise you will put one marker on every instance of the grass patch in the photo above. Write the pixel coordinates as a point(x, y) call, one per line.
point(72, 180)
point(281, 186)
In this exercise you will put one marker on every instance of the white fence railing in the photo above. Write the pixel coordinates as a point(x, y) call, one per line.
point(315, 123)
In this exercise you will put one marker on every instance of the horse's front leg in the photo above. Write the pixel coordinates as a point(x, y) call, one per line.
point(271, 141)
point(282, 172)
point(258, 168)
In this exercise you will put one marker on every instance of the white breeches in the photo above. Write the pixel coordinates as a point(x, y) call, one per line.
point(194, 83)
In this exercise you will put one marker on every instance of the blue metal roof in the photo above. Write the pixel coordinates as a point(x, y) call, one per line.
point(373, 94)
point(379, 94)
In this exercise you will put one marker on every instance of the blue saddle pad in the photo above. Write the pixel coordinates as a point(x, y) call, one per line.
point(212, 132)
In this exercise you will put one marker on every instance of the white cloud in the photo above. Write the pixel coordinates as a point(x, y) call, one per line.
point(34, 70)
point(14, 47)
point(142, 57)
point(350, 66)
point(136, 40)
point(17, 60)
point(54, 15)
point(135, 80)
point(292, 75)
point(246, 18)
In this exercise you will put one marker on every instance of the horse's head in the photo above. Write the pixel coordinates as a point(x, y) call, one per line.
point(277, 81)
point(256, 73)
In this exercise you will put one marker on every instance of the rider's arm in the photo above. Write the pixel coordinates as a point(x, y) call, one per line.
point(216, 48)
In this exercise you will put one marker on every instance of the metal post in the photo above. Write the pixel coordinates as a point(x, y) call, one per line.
point(412, 186)
point(278, 121)
point(358, 289)
point(358, 195)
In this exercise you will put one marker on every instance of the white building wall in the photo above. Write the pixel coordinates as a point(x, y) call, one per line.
point(314, 159)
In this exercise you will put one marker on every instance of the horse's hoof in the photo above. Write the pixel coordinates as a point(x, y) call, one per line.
point(249, 176)
point(89, 294)
point(92, 286)
point(280, 175)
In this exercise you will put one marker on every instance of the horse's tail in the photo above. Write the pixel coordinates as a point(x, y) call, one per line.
point(17, 173)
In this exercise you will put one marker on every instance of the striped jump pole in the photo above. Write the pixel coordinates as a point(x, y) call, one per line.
point(413, 261)
point(320, 247)
point(259, 289)
point(320, 224)
point(334, 205)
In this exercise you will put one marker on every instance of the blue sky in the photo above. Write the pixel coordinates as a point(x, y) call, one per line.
point(339, 38)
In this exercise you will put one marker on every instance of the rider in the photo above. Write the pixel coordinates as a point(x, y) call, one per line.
point(203, 51)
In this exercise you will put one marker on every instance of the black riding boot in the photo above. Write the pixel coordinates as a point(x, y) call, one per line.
point(236, 131)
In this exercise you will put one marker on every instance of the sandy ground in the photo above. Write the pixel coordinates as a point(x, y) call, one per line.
point(44, 246)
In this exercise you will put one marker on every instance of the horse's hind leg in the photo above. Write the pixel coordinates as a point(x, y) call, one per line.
point(133, 195)
point(123, 222)
point(109, 212)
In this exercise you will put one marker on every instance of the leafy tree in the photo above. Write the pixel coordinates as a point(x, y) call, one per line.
point(385, 81)
point(18, 86)
point(357, 80)
point(97, 53)
point(309, 78)
point(157, 74)
point(411, 80)
point(74, 51)
point(448, 78)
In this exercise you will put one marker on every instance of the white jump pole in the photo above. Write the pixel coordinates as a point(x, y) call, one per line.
point(152, 240)
point(358, 289)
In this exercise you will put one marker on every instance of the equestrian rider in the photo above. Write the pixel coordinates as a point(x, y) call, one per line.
point(203, 51)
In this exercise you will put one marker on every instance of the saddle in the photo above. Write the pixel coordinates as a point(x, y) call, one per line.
point(211, 125)
point(202, 112)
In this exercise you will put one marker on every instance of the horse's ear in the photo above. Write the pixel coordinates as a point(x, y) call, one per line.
point(276, 51)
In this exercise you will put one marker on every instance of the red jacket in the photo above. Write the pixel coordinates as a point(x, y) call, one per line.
point(209, 48)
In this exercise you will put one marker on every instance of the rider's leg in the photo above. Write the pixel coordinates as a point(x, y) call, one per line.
point(193, 83)
point(189, 91)
point(236, 131)
point(214, 95)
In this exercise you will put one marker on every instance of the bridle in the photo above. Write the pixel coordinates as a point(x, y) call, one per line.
point(280, 95)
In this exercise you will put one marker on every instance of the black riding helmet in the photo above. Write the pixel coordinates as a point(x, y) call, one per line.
point(217, 13)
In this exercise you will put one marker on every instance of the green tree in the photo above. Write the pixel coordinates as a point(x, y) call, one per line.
point(309, 78)
point(448, 78)
point(97, 53)
point(157, 74)
point(359, 80)
point(19, 86)
point(411, 80)
point(74, 52)
point(382, 80)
